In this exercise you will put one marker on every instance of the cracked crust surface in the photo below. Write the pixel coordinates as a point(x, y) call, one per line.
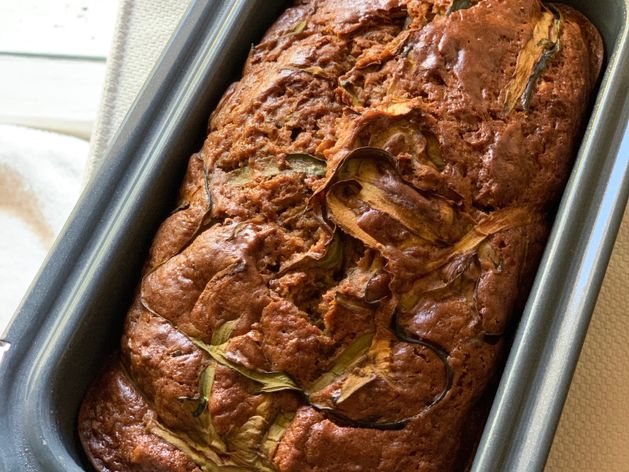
point(253, 244)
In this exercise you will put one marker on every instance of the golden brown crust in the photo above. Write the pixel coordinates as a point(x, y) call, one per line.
point(113, 426)
point(351, 243)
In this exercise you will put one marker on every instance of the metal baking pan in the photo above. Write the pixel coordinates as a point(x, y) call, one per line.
point(72, 315)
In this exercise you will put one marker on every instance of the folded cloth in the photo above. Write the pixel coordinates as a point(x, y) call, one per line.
point(594, 430)
point(40, 181)
point(142, 30)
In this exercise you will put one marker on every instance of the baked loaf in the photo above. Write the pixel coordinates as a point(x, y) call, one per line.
point(366, 215)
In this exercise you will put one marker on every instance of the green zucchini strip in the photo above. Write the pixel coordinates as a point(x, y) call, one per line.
point(533, 59)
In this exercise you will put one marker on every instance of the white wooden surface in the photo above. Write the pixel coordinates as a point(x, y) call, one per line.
point(52, 67)
point(52, 62)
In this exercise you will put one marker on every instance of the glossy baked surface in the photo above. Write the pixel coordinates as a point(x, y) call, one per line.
point(364, 217)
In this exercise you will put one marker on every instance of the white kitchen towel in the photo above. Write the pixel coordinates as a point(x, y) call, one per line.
point(40, 181)
point(594, 430)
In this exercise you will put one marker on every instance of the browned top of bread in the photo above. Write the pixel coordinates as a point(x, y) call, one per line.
point(363, 219)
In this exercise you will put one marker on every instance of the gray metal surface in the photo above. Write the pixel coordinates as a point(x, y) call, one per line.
point(72, 316)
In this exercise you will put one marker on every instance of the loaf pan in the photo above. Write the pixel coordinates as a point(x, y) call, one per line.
point(72, 316)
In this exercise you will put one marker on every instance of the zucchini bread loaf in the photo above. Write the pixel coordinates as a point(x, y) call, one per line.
point(332, 291)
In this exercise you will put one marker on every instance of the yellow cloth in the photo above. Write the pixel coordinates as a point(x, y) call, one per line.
point(593, 433)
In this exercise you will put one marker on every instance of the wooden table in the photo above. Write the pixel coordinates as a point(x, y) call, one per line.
point(52, 62)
